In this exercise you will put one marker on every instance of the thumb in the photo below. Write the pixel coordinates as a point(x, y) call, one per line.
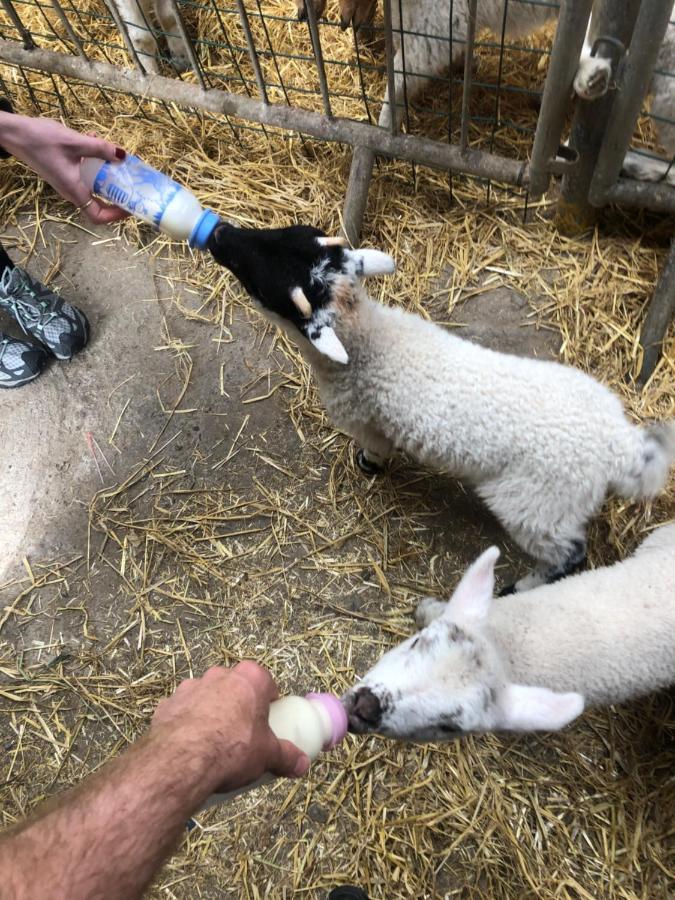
point(291, 762)
point(94, 146)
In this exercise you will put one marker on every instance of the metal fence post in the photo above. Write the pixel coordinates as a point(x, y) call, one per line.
point(636, 73)
point(613, 20)
point(659, 315)
point(567, 44)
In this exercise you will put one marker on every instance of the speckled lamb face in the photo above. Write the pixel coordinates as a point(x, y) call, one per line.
point(298, 276)
point(449, 679)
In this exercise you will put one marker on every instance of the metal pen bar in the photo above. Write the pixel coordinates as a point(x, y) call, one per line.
point(468, 72)
point(412, 148)
point(124, 31)
point(636, 73)
point(567, 45)
point(228, 44)
point(252, 52)
point(69, 28)
point(659, 316)
point(13, 16)
point(612, 30)
point(642, 195)
point(391, 78)
point(318, 55)
point(190, 50)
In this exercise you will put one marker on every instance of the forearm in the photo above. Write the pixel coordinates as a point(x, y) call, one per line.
point(107, 837)
point(15, 132)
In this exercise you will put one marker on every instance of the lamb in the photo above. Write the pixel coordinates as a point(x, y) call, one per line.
point(426, 27)
point(139, 16)
point(541, 443)
point(530, 661)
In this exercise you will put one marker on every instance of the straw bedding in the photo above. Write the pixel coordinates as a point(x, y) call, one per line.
point(313, 571)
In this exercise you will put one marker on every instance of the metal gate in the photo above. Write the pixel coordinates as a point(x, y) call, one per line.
point(235, 73)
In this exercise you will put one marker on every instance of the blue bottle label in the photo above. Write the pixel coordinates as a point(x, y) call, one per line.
point(136, 187)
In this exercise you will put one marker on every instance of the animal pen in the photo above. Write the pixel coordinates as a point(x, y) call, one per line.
point(463, 197)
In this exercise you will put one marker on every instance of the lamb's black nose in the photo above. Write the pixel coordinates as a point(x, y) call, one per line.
point(364, 710)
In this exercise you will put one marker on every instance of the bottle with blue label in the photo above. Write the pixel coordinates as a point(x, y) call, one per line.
point(151, 196)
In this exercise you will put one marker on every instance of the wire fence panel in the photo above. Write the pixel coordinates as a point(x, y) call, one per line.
point(458, 84)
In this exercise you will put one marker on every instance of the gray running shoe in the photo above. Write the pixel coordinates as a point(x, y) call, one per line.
point(20, 362)
point(60, 327)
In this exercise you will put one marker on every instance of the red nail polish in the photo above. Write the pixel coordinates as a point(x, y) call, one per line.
point(120, 154)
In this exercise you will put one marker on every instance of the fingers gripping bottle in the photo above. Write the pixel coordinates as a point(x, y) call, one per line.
point(151, 196)
point(313, 723)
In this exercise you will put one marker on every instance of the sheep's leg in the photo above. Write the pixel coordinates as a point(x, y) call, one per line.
point(374, 451)
point(174, 40)
point(428, 610)
point(136, 15)
point(570, 559)
point(594, 72)
point(546, 520)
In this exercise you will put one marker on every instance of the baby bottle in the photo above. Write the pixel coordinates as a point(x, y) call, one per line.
point(151, 196)
point(313, 723)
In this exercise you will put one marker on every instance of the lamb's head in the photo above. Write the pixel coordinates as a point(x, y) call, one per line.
point(450, 680)
point(301, 279)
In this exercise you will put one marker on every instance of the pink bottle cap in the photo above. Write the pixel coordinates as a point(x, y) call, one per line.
point(337, 715)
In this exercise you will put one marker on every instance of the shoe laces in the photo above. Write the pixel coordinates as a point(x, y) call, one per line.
point(23, 298)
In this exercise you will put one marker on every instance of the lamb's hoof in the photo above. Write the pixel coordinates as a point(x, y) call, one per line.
point(507, 589)
point(366, 466)
point(592, 78)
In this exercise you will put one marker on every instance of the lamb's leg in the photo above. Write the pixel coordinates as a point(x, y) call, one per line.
point(136, 15)
point(568, 559)
point(174, 40)
point(547, 519)
point(428, 610)
point(376, 449)
point(594, 72)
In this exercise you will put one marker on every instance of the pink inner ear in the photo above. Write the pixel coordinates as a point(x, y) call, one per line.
point(472, 598)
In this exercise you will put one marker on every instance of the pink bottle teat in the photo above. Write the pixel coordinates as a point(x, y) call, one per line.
point(336, 714)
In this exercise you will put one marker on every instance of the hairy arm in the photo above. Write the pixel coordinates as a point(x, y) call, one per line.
point(107, 837)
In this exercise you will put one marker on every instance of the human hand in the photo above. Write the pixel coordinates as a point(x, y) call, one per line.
point(224, 714)
point(54, 152)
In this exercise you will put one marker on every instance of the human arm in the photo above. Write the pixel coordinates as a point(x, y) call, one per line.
point(54, 152)
point(104, 839)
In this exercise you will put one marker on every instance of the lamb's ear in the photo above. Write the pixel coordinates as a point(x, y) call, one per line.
point(322, 335)
point(536, 709)
point(363, 263)
point(473, 595)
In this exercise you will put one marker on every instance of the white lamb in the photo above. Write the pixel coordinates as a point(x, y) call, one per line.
point(529, 661)
point(540, 442)
point(426, 33)
point(140, 16)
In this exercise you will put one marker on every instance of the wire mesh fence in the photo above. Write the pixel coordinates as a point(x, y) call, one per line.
point(457, 84)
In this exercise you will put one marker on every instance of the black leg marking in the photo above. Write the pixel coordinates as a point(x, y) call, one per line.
point(366, 466)
point(573, 563)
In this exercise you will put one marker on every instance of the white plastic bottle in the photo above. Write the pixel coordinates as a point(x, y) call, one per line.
point(313, 723)
point(151, 196)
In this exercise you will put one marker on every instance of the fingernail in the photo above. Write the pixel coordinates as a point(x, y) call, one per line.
point(302, 765)
point(120, 154)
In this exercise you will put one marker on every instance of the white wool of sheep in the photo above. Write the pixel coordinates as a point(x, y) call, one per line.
point(541, 443)
point(530, 661)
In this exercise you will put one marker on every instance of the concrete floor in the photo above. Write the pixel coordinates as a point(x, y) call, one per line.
point(49, 427)
point(53, 427)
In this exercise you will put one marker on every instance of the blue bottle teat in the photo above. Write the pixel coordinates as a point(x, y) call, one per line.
point(204, 228)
